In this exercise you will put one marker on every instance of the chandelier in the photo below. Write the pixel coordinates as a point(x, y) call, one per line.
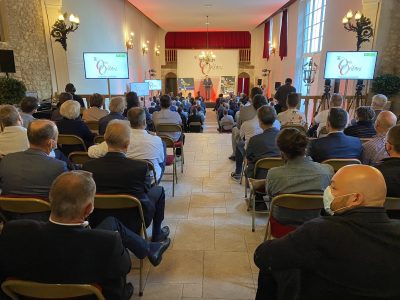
point(206, 58)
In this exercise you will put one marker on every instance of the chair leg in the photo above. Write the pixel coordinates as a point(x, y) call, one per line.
point(253, 215)
point(245, 186)
point(141, 288)
point(183, 160)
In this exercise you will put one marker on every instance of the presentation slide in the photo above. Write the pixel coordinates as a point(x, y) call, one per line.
point(350, 65)
point(112, 65)
point(140, 88)
point(154, 84)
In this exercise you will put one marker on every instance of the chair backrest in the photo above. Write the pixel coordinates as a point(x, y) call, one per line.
point(302, 129)
point(168, 128)
point(70, 139)
point(392, 203)
point(298, 201)
point(195, 127)
point(23, 205)
point(152, 169)
point(168, 141)
point(338, 163)
point(268, 163)
point(93, 125)
point(98, 139)
point(15, 288)
point(79, 157)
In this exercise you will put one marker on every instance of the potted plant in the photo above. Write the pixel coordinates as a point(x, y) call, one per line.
point(11, 90)
point(389, 85)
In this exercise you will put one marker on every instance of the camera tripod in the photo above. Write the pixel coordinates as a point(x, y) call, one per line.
point(324, 103)
point(358, 96)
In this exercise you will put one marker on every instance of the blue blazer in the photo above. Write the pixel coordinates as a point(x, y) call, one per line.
point(335, 145)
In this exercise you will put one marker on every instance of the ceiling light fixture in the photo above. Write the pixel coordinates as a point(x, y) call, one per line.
point(206, 58)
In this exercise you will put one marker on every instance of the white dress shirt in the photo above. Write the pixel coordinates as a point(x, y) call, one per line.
point(251, 128)
point(13, 139)
point(322, 117)
point(142, 146)
point(166, 116)
point(292, 116)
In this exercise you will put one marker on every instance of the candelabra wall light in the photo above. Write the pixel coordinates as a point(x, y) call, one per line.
point(309, 71)
point(145, 47)
point(359, 24)
point(272, 49)
point(129, 42)
point(265, 72)
point(152, 73)
point(157, 50)
point(61, 28)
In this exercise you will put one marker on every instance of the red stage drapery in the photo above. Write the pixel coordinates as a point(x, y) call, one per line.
point(283, 36)
point(243, 85)
point(267, 29)
point(216, 40)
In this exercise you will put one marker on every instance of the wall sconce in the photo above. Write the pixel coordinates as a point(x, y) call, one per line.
point(129, 42)
point(157, 50)
point(361, 26)
point(60, 28)
point(145, 47)
point(272, 49)
point(152, 73)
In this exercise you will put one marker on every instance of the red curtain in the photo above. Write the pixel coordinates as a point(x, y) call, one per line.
point(283, 36)
point(216, 40)
point(267, 30)
point(243, 85)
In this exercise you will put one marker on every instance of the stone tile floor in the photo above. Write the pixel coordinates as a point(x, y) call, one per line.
point(211, 254)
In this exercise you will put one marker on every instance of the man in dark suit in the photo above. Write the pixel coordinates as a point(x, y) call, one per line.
point(66, 250)
point(31, 172)
point(207, 83)
point(264, 144)
point(352, 254)
point(281, 95)
point(336, 144)
point(116, 174)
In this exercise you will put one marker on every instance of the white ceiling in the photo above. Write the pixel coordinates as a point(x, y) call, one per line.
point(224, 15)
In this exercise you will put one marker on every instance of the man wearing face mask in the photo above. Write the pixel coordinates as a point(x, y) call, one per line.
point(353, 253)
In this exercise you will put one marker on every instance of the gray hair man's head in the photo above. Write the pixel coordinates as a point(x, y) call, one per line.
point(117, 135)
point(70, 109)
point(137, 117)
point(117, 105)
point(9, 115)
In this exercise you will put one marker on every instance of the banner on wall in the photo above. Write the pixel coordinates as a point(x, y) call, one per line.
point(185, 84)
point(227, 85)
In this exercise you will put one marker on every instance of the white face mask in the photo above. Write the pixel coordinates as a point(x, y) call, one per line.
point(328, 199)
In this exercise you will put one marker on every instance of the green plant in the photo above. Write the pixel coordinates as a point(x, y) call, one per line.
point(11, 90)
point(387, 84)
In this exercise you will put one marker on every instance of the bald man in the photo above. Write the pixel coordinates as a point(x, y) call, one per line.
point(353, 253)
point(374, 150)
point(32, 171)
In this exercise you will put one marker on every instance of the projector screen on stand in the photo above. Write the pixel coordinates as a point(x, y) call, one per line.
point(106, 65)
point(140, 88)
point(350, 65)
point(154, 84)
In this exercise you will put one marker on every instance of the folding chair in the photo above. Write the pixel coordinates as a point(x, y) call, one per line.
point(257, 186)
point(152, 170)
point(291, 201)
point(79, 157)
point(98, 139)
point(171, 160)
point(93, 126)
point(161, 129)
point(302, 129)
point(34, 290)
point(22, 205)
point(121, 202)
point(195, 127)
point(338, 163)
point(70, 139)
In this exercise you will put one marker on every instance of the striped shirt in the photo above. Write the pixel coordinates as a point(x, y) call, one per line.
point(374, 150)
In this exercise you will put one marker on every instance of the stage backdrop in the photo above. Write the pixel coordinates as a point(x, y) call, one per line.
point(226, 64)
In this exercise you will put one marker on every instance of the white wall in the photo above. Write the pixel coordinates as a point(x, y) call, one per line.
point(104, 27)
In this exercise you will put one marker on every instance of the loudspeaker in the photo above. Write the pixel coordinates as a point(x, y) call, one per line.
point(277, 84)
point(259, 81)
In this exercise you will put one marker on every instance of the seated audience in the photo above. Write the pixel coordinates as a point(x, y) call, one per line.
point(227, 122)
point(117, 107)
point(142, 146)
point(95, 111)
point(292, 116)
point(264, 144)
point(196, 117)
point(31, 172)
point(29, 106)
point(152, 108)
point(374, 150)
point(82, 255)
point(300, 175)
point(166, 116)
point(114, 173)
point(336, 144)
point(321, 118)
point(70, 88)
point(378, 104)
point(56, 116)
point(132, 100)
point(184, 118)
point(390, 166)
point(364, 127)
point(73, 124)
point(352, 254)
point(13, 136)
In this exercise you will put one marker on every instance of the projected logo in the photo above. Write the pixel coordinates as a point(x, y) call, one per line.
point(345, 66)
point(103, 67)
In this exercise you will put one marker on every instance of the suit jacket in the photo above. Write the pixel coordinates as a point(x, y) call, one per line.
point(30, 172)
point(246, 113)
point(390, 168)
point(261, 146)
point(362, 129)
point(353, 255)
point(54, 253)
point(283, 92)
point(116, 174)
point(335, 145)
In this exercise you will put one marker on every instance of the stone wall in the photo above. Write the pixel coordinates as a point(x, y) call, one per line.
point(23, 23)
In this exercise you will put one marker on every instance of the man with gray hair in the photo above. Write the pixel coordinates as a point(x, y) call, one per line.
point(82, 255)
point(378, 103)
point(13, 136)
point(114, 173)
point(31, 172)
point(117, 108)
point(142, 144)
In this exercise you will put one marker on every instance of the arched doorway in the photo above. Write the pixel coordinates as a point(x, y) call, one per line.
point(243, 85)
point(171, 83)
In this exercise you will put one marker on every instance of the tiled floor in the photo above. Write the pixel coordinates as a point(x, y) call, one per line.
point(211, 255)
